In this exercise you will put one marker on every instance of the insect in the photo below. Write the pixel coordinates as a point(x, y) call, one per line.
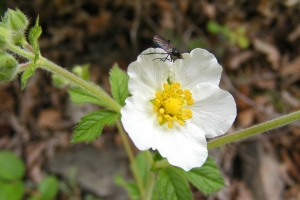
point(168, 47)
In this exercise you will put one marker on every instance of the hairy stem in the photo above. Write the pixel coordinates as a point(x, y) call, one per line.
point(72, 78)
point(130, 156)
point(266, 126)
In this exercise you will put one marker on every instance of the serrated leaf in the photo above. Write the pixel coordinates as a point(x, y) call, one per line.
point(11, 191)
point(207, 178)
point(91, 125)
point(34, 34)
point(119, 84)
point(130, 187)
point(26, 75)
point(79, 96)
point(11, 166)
point(172, 186)
point(48, 188)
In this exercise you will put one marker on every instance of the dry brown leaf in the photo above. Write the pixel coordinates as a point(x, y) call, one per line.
point(270, 50)
point(209, 9)
point(236, 60)
point(241, 190)
point(290, 99)
point(167, 20)
point(246, 117)
point(265, 83)
point(99, 23)
point(291, 67)
point(292, 193)
point(6, 100)
point(245, 90)
point(295, 34)
point(48, 118)
point(183, 5)
point(265, 8)
point(268, 169)
point(292, 168)
point(261, 99)
point(34, 153)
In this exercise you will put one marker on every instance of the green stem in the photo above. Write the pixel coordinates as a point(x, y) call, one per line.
point(95, 91)
point(150, 176)
point(18, 50)
point(130, 155)
point(148, 157)
point(266, 126)
point(72, 78)
point(149, 185)
point(24, 66)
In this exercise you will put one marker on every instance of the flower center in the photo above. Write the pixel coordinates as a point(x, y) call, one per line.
point(170, 104)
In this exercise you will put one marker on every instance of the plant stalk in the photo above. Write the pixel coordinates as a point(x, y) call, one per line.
point(72, 78)
point(266, 126)
point(130, 156)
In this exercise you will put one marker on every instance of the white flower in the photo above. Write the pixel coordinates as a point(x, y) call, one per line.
point(174, 107)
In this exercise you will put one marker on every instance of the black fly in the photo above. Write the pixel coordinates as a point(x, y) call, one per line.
point(168, 47)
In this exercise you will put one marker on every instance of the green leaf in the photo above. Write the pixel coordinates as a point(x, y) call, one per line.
point(91, 197)
point(79, 96)
point(130, 187)
point(213, 27)
point(119, 84)
point(48, 188)
point(26, 75)
point(226, 31)
point(11, 166)
point(207, 178)
point(91, 125)
point(33, 198)
point(243, 42)
point(172, 186)
point(34, 34)
point(12, 191)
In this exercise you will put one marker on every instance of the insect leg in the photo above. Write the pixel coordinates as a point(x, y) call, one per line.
point(153, 53)
point(166, 58)
point(161, 59)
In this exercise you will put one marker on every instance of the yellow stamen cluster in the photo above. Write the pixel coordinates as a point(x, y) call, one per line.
point(169, 104)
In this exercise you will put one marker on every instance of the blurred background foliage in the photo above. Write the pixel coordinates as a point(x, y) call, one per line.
point(256, 42)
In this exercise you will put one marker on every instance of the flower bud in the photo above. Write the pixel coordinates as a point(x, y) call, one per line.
point(5, 35)
point(58, 81)
point(8, 67)
point(82, 71)
point(15, 20)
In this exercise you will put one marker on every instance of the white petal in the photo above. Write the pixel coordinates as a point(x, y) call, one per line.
point(214, 109)
point(183, 146)
point(147, 76)
point(139, 121)
point(199, 66)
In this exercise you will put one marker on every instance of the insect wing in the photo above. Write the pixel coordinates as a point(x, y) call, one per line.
point(162, 43)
